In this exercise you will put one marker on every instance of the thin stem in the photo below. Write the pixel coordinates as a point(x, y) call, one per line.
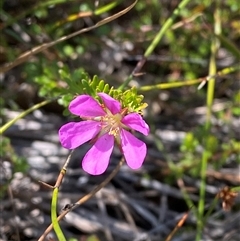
point(55, 223)
point(21, 115)
point(179, 225)
point(54, 219)
point(210, 209)
point(165, 27)
point(23, 57)
point(201, 203)
point(176, 84)
point(101, 185)
point(155, 41)
point(84, 198)
point(210, 98)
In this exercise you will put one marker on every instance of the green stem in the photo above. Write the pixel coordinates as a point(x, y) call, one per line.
point(210, 209)
point(169, 85)
point(84, 198)
point(177, 84)
point(210, 98)
point(54, 219)
point(201, 203)
point(228, 44)
point(21, 115)
point(106, 8)
point(165, 27)
point(159, 36)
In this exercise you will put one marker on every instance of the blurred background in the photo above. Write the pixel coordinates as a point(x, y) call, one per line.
point(145, 204)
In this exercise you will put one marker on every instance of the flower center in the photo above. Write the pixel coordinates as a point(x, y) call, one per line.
point(112, 124)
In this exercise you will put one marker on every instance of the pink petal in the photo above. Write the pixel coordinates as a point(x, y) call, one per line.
point(133, 149)
point(74, 134)
point(97, 158)
point(136, 122)
point(85, 106)
point(113, 105)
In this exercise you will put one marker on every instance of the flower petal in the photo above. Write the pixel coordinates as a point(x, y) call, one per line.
point(136, 122)
point(133, 149)
point(97, 158)
point(86, 106)
point(113, 105)
point(74, 134)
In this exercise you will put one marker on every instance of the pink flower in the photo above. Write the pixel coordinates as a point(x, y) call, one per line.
point(104, 124)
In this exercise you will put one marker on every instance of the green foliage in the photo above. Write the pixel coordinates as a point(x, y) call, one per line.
point(186, 43)
point(231, 148)
point(54, 81)
point(46, 76)
point(79, 82)
point(191, 154)
point(8, 153)
point(2, 103)
point(211, 143)
point(236, 104)
point(189, 143)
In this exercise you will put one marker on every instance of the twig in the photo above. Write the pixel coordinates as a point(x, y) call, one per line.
point(54, 219)
point(179, 225)
point(84, 198)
